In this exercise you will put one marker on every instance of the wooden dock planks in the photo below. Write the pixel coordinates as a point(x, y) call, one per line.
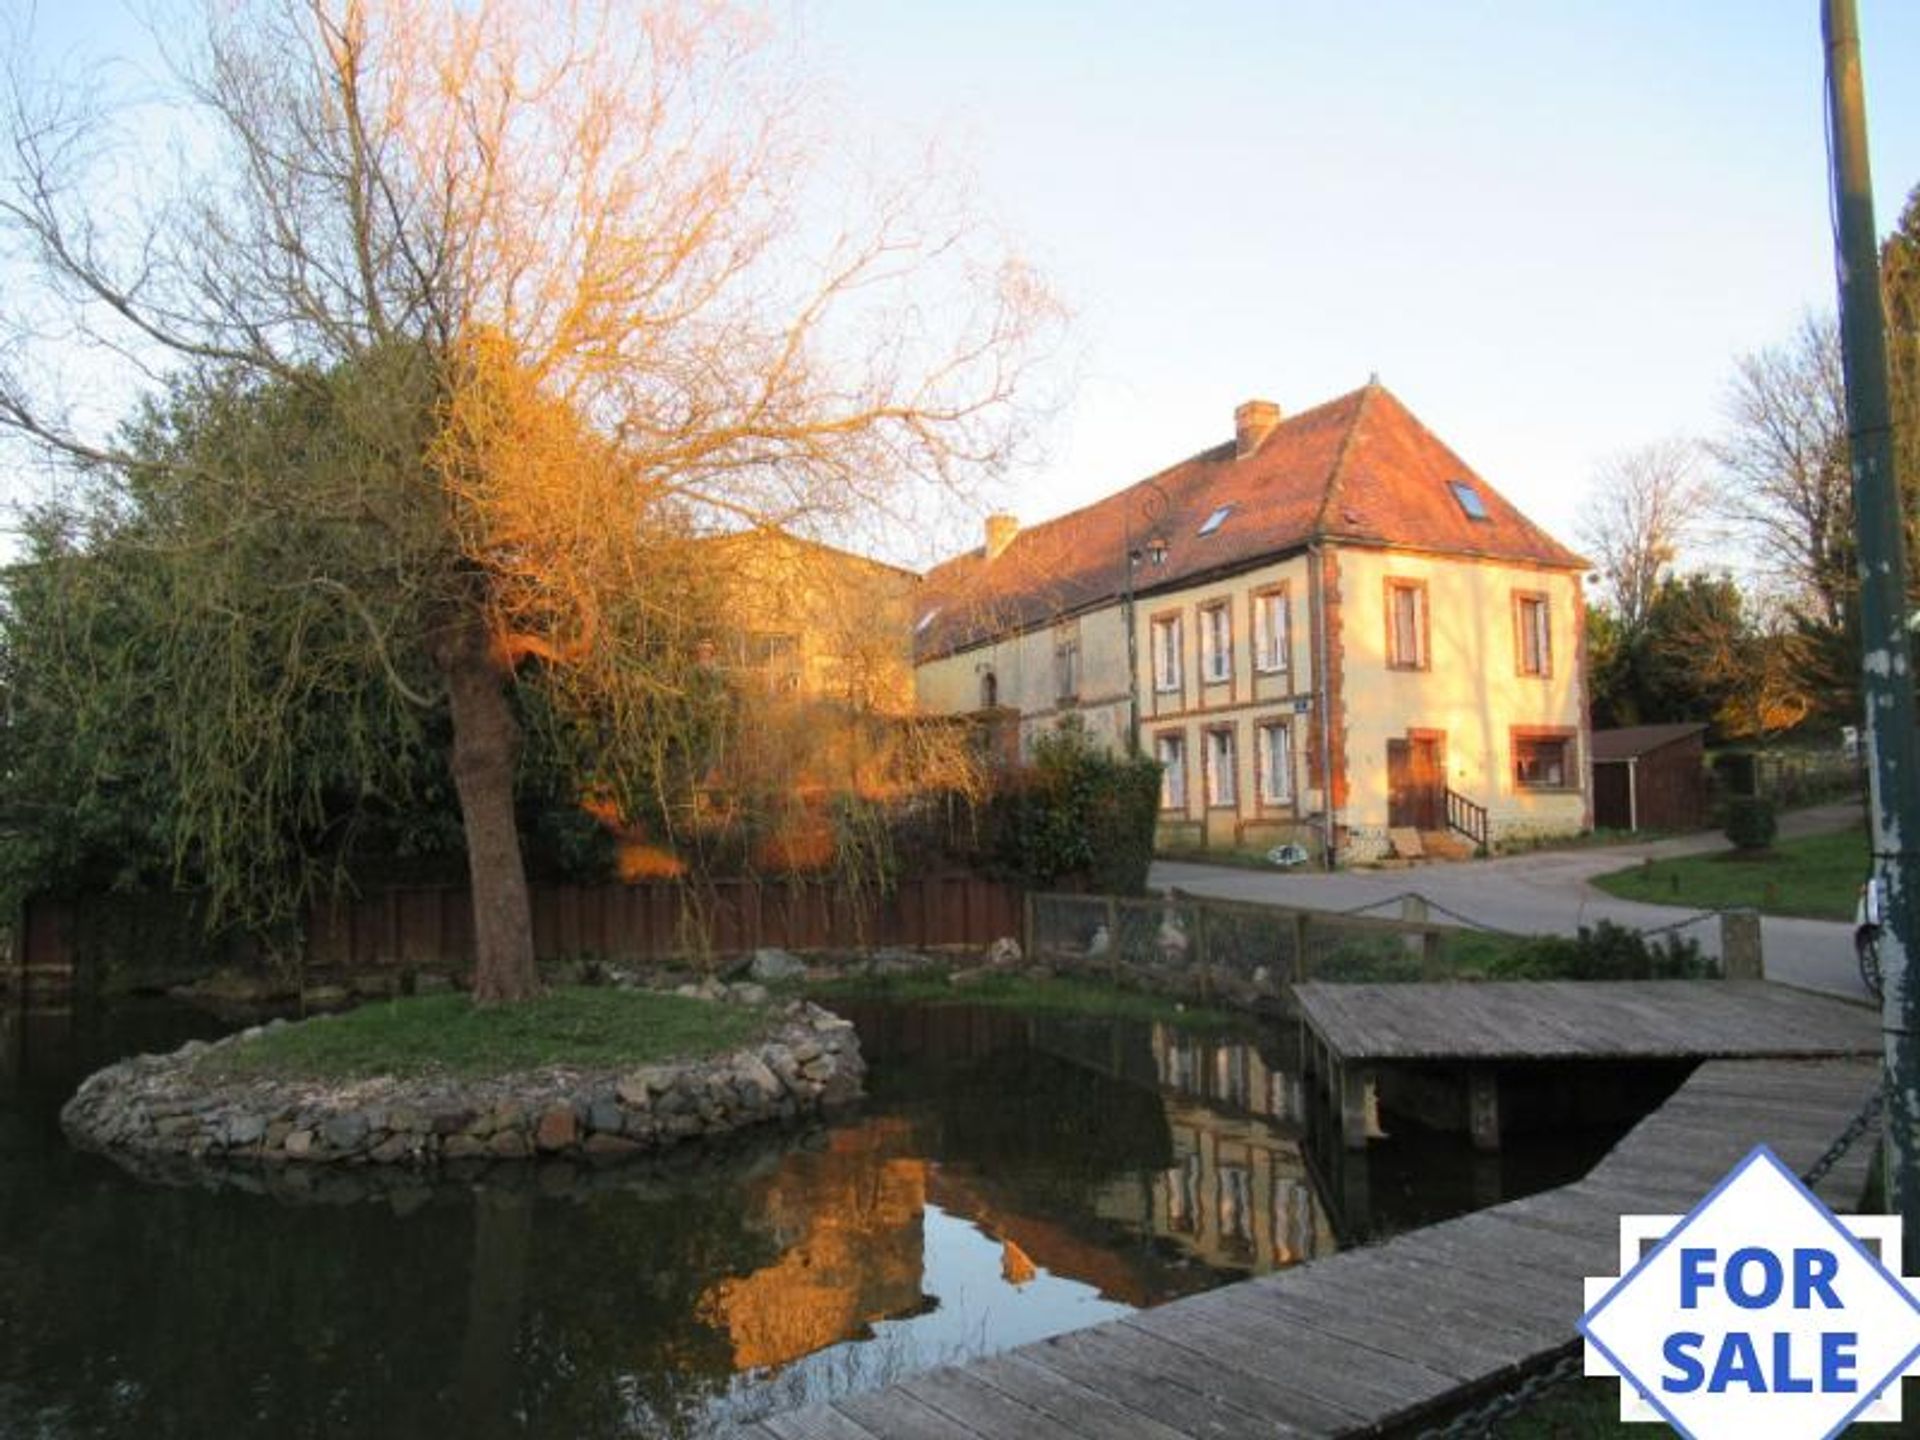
point(1570, 1020)
point(1385, 1333)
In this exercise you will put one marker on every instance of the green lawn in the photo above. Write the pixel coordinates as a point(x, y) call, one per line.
point(586, 1028)
point(1818, 876)
point(1060, 995)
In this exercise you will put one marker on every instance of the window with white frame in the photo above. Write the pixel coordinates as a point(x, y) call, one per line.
point(1171, 752)
point(1216, 643)
point(1166, 653)
point(1276, 763)
point(1532, 639)
point(1271, 641)
point(1221, 790)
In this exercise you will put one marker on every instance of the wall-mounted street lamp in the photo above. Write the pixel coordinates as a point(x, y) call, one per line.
point(1152, 552)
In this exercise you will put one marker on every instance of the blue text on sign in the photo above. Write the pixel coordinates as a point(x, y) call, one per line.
point(1754, 1277)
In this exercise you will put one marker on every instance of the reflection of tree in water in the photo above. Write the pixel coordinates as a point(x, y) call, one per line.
point(1064, 1126)
point(227, 1315)
point(617, 1303)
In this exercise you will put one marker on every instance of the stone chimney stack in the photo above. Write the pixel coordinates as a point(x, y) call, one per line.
point(1000, 532)
point(1253, 421)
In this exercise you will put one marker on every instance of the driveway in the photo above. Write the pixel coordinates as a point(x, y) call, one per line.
point(1547, 892)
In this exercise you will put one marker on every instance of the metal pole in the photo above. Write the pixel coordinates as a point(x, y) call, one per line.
point(1886, 656)
point(1323, 686)
point(1133, 644)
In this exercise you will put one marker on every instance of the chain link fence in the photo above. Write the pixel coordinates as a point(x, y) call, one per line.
point(1207, 948)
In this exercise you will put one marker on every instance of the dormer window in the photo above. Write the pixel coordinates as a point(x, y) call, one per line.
point(1216, 520)
point(1469, 500)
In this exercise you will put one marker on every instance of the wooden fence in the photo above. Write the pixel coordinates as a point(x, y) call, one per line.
point(123, 941)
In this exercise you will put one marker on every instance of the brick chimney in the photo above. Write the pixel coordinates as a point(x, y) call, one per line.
point(1001, 529)
point(1253, 421)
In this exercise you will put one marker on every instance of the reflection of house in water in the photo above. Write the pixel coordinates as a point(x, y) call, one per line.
point(1238, 1194)
point(849, 1220)
point(1186, 1141)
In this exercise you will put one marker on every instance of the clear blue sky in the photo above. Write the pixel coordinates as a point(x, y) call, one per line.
point(1550, 227)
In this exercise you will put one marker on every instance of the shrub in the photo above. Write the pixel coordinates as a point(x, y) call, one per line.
point(1078, 815)
point(1605, 952)
point(1751, 822)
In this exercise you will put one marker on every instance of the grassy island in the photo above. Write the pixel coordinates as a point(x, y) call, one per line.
point(578, 1028)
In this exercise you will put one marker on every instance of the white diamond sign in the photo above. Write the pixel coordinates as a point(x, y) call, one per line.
point(1759, 1313)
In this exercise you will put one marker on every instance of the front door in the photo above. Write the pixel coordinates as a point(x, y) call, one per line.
point(1416, 783)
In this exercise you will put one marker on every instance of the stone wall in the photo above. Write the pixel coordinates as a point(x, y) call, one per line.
point(162, 1106)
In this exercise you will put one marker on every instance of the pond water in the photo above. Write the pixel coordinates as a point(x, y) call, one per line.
point(1009, 1178)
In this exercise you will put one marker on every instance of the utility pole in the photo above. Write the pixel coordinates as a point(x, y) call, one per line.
point(1886, 655)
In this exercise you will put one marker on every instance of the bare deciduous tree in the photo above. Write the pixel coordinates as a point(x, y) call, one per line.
point(1788, 491)
point(558, 278)
point(1640, 510)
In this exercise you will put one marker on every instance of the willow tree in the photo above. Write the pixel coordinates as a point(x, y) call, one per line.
point(569, 283)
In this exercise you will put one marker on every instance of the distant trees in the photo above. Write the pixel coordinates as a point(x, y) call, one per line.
point(1642, 508)
point(1701, 653)
point(456, 324)
point(1784, 646)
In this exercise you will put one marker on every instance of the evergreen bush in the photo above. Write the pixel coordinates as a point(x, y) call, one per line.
point(1751, 822)
point(1605, 952)
point(1078, 816)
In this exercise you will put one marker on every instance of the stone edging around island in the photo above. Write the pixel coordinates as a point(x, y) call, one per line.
point(154, 1107)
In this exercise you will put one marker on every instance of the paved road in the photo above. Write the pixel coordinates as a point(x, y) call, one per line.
point(1548, 893)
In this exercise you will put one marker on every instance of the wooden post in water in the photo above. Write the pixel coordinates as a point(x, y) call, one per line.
point(1359, 1096)
point(1483, 1108)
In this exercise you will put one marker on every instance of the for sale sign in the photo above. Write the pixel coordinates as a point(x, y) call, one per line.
point(1760, 1313)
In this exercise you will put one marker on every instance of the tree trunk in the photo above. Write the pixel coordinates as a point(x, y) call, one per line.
point(486, 745)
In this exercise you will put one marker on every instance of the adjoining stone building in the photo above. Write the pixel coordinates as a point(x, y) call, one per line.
point(1323, 628)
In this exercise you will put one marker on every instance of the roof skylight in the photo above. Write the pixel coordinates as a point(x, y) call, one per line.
point(926, 620)
point(1469, 499)
point(1216, 520)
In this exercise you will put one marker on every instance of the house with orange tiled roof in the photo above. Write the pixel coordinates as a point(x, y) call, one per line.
point(1325, 628)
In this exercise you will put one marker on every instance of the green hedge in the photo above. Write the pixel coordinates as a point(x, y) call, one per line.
point(1605, 952)
point(1077, 817)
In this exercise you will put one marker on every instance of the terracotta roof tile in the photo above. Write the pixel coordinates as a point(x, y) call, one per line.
point(1359, 469)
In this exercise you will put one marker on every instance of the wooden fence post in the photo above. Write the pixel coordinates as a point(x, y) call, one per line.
point(1113, 939)
point(1740, 952)
point(1301, 969)
point(1413, 908)
point(1203, 960)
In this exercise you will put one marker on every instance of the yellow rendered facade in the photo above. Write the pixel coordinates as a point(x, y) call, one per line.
point(1227, 685)
point(1231, 699)
point(819, 623)
point(1496, 683)
point(1077, 666)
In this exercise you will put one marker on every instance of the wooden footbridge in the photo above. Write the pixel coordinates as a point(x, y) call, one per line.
point(1387, 1336)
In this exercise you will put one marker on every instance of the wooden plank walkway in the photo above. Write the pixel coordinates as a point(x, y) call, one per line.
point(1575, 1020)
point(1381, 1336)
